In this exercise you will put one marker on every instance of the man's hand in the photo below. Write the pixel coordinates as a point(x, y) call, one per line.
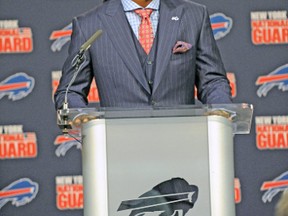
point(81, 119)
point(223, 113)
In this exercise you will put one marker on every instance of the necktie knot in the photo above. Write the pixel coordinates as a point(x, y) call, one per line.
point(144, 13)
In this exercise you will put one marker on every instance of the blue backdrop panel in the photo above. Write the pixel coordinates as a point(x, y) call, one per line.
point(40, 170)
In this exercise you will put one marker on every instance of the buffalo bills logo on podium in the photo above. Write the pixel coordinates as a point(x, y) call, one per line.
point(278, 77)
point(221, 25)
point(19, 193)
point(61, 37)
point(17, 86)
point(274, 187)
point(174, 197)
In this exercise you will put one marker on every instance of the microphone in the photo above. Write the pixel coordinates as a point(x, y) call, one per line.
point(89, 42)
point(78, 61)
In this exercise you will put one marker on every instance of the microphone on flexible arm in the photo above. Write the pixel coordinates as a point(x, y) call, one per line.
point(77, 63)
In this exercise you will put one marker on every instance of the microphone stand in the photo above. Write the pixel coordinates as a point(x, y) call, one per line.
point(77, 63)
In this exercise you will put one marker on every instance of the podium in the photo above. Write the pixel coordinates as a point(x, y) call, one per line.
point(158, 161)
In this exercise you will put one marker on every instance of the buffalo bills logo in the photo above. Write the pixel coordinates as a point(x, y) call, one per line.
point(65, 143)
point(221, 25)
point(61, 37)
point(277, 78)
point(19, 193)
point(274, 187)
point(169, 198)
point(17, 86)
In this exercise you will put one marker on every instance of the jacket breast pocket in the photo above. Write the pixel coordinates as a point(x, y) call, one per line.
point(183, 58)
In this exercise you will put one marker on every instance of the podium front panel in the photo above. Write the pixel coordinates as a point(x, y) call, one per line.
point(136, 154)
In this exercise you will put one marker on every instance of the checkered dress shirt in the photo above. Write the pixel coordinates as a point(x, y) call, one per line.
point(134, 19)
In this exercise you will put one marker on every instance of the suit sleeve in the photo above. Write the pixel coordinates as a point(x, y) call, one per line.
point(78, 92)
point(211, 81)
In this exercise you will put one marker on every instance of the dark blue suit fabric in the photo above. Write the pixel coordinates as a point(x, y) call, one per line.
point(114, 62)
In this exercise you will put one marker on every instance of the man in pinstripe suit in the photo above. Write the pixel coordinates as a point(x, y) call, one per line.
point(184, 54)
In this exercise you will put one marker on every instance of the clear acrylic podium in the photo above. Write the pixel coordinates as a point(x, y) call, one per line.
point(127, 153)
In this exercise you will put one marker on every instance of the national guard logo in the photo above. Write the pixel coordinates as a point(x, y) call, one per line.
point(15, 144)
point(232, 79)
point(274, 187)
point(15, 39)
point(237, 190)
point(221, 25)
point(19, 193)
point(69, 192)
point(277, 78)
point(269, 27)
point(60, 37)
point(93, 96)
point(233, 85)
point(171, 197)
point(16, 86)
point(272, 132)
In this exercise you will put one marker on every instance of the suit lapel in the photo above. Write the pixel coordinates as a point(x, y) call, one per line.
point(117, 27)
point(169, 21)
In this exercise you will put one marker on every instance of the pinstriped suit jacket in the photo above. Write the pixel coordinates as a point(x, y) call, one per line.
point(113, 61)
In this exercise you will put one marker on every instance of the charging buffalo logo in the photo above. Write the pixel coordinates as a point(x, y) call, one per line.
point(274, 187)
point(221, 25)
point(65, 143)
point(61, 37)
point(19, 193)
point(16, 86)
point(172, 197)
point(269, 27)
point(277, 78)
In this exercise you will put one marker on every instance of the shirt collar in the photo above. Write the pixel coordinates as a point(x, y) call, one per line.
point(129, 5)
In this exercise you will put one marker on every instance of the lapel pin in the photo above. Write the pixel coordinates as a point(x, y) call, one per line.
point(176, 18)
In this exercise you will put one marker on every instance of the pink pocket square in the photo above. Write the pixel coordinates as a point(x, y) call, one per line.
point(181, 47)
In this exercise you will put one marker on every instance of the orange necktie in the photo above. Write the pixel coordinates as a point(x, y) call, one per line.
point(145, 29)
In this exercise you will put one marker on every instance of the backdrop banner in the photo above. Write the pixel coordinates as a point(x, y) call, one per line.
point(40, 169)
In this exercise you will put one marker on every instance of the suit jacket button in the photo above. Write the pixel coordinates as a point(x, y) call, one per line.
point(153, 102)
point(149, 62)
